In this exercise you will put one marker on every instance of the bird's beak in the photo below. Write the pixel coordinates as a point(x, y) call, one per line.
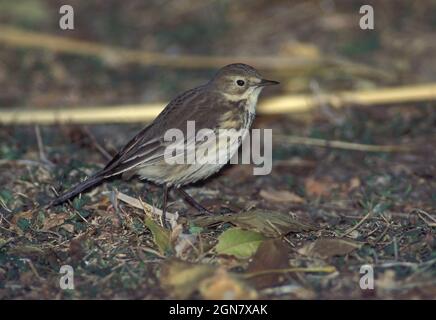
point(264, 82)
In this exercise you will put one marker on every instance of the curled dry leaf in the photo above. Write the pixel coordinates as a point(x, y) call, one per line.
point(281, 196)
point(329, 247)
point(271, 254)
point(270, 223)
point(181, 279)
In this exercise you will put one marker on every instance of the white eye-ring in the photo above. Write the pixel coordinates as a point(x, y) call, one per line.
point(240, 83)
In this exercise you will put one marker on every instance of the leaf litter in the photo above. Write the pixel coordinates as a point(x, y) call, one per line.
point(315, 198)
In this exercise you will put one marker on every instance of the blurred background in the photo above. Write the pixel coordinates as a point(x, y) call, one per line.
point(144, 53)
point(322, 38)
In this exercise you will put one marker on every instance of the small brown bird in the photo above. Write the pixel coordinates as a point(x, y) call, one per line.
point(228, 102)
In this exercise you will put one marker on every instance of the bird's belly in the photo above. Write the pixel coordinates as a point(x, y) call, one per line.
point(177, 174)
point(209, 158)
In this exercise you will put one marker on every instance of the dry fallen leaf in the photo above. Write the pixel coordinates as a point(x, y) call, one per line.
point(271, 254)
point(225, 286)
point(54, 220)
point(181, 279)
point(161, 236)
point(329, 247)
point(270, 223)
point(281, 196)
point(21, 215)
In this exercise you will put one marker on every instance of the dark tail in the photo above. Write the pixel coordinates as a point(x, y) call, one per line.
point(81, 187)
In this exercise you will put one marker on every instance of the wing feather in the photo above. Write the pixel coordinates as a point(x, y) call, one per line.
point(148, 146)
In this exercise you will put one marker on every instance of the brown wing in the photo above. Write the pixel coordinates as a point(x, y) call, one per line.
point(148, 146)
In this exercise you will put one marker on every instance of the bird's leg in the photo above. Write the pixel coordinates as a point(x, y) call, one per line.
point(192, 202)
point(164, 205)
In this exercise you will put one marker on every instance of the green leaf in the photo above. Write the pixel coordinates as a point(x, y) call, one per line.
point(79, 202)
point(23, 224)
point(6, 196)
point(161, 236)
point(239, 243)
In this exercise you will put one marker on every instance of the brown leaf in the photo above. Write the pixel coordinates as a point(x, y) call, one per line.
point(317, 188)
point(76, 250)
point(22, 215)
point(225, 286)
point(54, 220)
point(271, 254)
point(329, 247)
point(181, 279)
point(270, 223)
point(281, 196)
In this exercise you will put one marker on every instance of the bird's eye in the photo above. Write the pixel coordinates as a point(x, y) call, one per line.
point(240, 83)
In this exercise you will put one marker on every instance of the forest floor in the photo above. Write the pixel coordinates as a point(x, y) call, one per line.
point(324, 211)
point(317, 227)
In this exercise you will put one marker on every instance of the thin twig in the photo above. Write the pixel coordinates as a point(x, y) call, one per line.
point(422, 213)
point(32, 267)
point(328, 269)
point(42, 155)
point(145, 206)
point(97, 145)
point(358, 224)
point(24, 162)
point(381, 236)
point(150, 250)
point(342, 144)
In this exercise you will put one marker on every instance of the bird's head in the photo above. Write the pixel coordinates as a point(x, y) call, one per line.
point(238, 81)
